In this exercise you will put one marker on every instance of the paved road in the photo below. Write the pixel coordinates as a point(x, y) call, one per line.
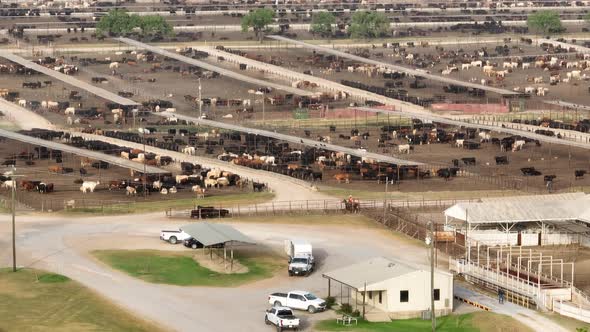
point(528, 317)
point(61, 245)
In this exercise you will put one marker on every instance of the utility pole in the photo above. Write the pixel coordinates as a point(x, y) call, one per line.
point(430, 242)
point(13, 226)
point(13, 208)
point(144, 167)
point(433, 316)
point(200, 102)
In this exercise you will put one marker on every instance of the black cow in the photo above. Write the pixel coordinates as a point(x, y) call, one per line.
point(530, 171)
point(501, 160)
point(579, 173)
point(468, 161)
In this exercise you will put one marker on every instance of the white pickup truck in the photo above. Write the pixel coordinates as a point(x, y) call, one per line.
point(282, 318)
point(174, 237)
point(301, 300)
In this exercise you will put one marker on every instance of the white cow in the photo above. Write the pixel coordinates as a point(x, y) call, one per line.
point(181, 178)
point(518, 145)
point(9, 184)
point(476, 63)
point(404, 148)
point(222, 182)
point(113, 65)
point(526, 65)
point(173, 190)
point(130, 191)
point(209, 183)
point(190, 150)
point(459, 143)
point(70, 110)
point(89, 186)
point(465, 66)
point(22, 103)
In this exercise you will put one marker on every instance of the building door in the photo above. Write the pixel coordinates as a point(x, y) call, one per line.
point(539, 242)
point(519, 239)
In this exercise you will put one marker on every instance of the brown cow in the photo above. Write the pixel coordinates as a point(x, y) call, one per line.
point(55, 169)
point(136, 151)
point(342, 177)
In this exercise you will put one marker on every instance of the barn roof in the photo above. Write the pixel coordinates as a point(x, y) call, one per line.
point(573, 206)
point(211, 234)
point(371, 272)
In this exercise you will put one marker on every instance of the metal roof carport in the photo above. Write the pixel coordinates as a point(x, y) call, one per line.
point(211, 235)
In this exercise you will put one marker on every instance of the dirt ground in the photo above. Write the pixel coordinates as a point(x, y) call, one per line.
point(66, 189)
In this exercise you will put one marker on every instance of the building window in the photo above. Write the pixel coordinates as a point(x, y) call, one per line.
point(437, 294)
point(370, 295)
point(404, 296)
point(380, 296)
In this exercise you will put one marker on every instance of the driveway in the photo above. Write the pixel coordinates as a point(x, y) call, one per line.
point(61, 245)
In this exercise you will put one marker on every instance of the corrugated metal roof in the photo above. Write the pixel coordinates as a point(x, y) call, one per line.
point(373, 271)
point(211, 234)
point(521, 209)
point(532, 198)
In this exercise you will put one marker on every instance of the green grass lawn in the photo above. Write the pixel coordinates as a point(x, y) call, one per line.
point(32, 300)
point(179, 268)
point(183, 203)
point(472, 322)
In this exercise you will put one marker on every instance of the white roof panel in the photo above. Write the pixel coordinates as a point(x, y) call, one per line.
point(210, 234)
point(524, 209)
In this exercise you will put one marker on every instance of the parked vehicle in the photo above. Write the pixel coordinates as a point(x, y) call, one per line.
point(301, 300)
point(301, 260)
point(282, 318)
point(202, 212)
point(174, 236)
point(195, 244)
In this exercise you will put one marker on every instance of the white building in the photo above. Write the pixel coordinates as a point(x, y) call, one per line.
point(394, 290)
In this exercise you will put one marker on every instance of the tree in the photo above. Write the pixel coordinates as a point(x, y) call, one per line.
point(154, 24)
point(321, 23)
point(117, 22)
point(368, 25)
point(545, 21)
point(258, 20)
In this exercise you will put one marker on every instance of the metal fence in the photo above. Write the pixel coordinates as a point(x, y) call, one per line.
point(314, 207)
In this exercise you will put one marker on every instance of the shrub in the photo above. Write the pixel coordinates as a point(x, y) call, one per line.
point(346, 308)
point(356, 313)
point(330, 301)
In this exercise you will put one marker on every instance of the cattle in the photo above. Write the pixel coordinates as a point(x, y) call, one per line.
point(210, 183)
point(258, 186)
point(549, 178)
point(222, 182)
point(459, 143)
point(9, 184)
point(342, 177)
point(55, 169)
point(518, 145)
point(530, 171)
point(501, 160)
point(579, 173)
point(468, 161)
point(130, 191)
point(44, 188)
point(181, 179)
point(89, 186)
point(404, 148)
